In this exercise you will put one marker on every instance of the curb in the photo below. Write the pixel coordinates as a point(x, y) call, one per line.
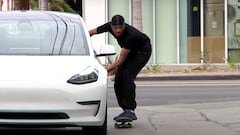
point(188, 77)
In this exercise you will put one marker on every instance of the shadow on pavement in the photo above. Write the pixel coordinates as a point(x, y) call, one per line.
point(46, 131)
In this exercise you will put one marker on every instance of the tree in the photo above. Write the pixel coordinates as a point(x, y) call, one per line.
point(60, 5)
point(43, 4)
point(24, 4)
point(54, 5)
point(137, 14)
point(76, 5)
point(1, 2)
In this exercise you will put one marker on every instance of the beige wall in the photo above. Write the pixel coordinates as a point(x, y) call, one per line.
point(94, 15)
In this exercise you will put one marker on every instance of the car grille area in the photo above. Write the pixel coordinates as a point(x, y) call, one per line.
point(32, 115)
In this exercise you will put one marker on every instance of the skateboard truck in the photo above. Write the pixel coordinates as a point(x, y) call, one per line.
point(123, 122)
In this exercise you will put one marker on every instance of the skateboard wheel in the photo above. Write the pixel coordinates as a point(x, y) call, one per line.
point(123, 125)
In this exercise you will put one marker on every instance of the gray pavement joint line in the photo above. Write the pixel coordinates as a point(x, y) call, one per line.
point(218, 123)
point(152, 113)
point(150, 121)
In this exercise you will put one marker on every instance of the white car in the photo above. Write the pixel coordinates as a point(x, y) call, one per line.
point(50, 75)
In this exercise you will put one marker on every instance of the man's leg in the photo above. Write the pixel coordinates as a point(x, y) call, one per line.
point(128, 85)
point(119, 90)
point(118, 86)
point(132, 66)
point(128, 94)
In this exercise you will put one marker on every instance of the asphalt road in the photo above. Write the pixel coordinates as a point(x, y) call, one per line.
point(179, 93)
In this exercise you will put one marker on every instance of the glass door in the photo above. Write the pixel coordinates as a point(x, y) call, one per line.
point(193, 31)
point(205, 31)
point(214, 35)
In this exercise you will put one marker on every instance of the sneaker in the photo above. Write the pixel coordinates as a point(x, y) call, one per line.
point(116, 117)
point(128, 114)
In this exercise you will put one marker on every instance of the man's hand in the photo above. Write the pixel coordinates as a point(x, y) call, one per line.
point(110, 72)
point(123, 55)
point(107, 68)
point(92, 32)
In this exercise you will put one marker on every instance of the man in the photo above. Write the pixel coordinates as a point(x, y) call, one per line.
point(135, 53)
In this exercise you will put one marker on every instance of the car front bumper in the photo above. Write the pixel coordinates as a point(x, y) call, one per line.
point(52, 104)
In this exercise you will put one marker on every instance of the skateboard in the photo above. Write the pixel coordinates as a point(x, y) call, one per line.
point(123, 123)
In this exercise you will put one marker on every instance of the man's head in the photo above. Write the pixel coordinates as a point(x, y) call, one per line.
point(118, 25)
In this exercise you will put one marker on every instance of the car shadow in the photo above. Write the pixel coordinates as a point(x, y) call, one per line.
point(24, 131)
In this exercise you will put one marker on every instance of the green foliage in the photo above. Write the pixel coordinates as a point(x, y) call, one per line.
point(16, 2)
point(231, 62)
point(60, 5)
point(55, 5)
point(33, 4)
point(205, 60)
point(153, 68)
point(204, 56)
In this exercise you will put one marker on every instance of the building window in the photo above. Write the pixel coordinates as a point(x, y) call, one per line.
point(204, 40)
point(233, 31)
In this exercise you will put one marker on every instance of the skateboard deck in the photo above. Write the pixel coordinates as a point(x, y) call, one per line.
point(123, 123)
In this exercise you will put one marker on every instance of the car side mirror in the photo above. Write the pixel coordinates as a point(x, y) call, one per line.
point(106, 50)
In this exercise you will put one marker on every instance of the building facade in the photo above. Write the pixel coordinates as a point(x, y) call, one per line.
point(181, 31)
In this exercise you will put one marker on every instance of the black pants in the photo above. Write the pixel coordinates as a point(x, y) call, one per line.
point(126, 74)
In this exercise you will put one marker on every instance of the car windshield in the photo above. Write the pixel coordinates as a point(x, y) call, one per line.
point(42, 37)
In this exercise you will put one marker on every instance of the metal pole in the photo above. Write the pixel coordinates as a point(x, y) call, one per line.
point(154, 33)
point(202, 29)
point(226, 29)
point(178, 31)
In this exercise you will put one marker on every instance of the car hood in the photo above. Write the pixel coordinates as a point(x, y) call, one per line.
point(47, 68)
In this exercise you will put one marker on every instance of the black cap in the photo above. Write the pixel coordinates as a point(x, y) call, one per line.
point(117, 20)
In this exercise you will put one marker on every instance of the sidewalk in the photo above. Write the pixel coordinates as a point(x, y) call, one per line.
point(188, 76)
point(189, 119)
point(198, 119)
point(222, 118)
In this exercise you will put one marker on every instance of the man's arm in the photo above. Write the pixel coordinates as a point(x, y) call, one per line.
point(100, 29)
point(123, 54)
point(92, 32)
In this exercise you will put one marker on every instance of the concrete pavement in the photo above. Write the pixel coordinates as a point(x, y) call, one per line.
point(184, 119)
point(193, 119)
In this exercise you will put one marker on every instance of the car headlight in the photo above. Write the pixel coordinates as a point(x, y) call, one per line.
point(87, 76)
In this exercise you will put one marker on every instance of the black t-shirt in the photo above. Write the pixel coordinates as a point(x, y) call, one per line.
point(131, 39)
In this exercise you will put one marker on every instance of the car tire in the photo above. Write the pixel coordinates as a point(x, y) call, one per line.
point(97, 130)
